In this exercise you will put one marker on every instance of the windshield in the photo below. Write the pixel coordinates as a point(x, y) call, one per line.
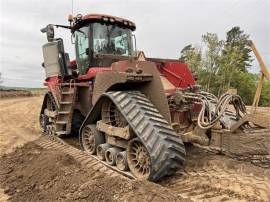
point(111, 39)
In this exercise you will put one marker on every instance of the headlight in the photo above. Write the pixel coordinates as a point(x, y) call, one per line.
point(79, 16)
point(105, 19)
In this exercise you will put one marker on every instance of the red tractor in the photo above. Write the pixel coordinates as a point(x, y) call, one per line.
point(131, 111)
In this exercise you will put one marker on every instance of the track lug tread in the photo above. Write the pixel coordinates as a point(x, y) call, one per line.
point(139, 119)
point(166, 149)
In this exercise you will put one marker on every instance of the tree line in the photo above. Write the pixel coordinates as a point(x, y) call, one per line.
point(220, 65)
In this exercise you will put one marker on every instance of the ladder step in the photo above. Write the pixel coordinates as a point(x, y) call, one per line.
point(61, 132)
point(67, 93)
point(61, 122)
point(65, 103)
point(67, 84)
point(64, 112)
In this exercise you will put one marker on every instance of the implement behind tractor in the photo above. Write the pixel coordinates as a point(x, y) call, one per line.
point(134, 112)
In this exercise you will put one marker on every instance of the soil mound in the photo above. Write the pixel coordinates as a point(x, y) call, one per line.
point(31, 173)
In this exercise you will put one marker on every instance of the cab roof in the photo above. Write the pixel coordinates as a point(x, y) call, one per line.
point(79, 22)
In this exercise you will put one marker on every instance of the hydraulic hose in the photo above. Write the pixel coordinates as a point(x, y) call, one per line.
point(213, 109)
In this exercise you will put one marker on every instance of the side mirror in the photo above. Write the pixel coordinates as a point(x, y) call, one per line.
point(49, 29)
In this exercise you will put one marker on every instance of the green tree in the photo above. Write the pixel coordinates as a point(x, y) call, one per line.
point(237, 38)
point(221, 65)
point(192, 56)
point(235, 57)
point(245, 83)
point(229, 63)
point(265, 95)
point(211, 59)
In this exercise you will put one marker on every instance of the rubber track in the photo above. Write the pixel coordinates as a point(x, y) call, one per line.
point(53, 100)
point(166, 149)
point(53, 142)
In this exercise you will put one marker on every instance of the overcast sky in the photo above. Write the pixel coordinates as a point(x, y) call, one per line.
point(163, 28)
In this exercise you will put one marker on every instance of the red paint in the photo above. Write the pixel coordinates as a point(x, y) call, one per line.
point(53, 84)
point(180, 117)
point(177, 73)
point(73, 65)
point(92, 72)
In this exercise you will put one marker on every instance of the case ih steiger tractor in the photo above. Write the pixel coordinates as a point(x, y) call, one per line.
point(134, 112)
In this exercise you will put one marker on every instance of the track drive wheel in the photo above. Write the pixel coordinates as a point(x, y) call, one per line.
point(91, 138)
point(138, 159)
point(112, 116)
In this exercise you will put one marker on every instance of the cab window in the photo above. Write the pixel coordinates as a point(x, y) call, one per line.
point(112, 39)
point(82, 46)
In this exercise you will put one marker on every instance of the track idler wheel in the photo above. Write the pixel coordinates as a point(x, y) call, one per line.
point(91, 138)
point(138, 159)
point(101, 150)
point(121, 161)
point(110, 155)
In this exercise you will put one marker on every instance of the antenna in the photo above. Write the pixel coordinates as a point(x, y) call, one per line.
point(72, 7)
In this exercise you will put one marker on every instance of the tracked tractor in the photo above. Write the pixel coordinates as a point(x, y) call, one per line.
point(130, 111)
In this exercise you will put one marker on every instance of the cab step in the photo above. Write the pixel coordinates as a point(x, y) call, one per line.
point(61, 122)
point(59, 133)
point(67, 93)
point(64, 112)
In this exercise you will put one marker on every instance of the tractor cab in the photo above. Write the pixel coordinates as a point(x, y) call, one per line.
point(99, 40)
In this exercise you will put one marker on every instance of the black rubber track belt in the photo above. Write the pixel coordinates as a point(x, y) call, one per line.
point(53, 100)
point(166, 149)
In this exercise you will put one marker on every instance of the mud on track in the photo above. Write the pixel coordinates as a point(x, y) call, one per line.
point(33, 173)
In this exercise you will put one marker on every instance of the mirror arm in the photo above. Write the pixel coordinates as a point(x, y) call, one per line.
point(63, 26)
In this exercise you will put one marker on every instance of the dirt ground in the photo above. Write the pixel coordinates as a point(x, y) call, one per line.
point(30, 173)
point(33, 173)
point(19, 122)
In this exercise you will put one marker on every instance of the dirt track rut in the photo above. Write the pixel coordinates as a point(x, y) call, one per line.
point(206, 177)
